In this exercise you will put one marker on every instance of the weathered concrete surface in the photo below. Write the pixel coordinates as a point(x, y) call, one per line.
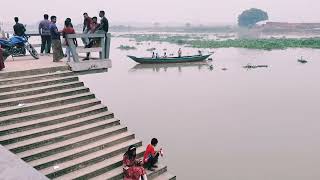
point(13, 168)
point(90, 65)
point(28, 63)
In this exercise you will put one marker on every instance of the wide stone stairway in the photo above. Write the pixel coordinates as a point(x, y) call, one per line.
point(50, 120)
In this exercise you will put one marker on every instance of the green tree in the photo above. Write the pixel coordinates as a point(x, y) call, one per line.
point(251, 17)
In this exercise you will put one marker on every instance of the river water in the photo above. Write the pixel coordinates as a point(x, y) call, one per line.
point(225, 122)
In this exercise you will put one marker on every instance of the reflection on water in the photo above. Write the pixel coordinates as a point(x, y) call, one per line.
point(261, 124)
point(165, 66)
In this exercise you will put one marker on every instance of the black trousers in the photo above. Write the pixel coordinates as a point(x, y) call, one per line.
point(152, 161)
point(45, 44)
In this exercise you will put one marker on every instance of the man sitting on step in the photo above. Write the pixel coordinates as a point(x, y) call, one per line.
point(151, 156)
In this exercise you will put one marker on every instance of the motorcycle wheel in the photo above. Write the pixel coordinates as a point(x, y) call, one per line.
point(32, 51)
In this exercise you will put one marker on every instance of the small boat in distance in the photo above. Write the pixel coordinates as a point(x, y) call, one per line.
point(182, 59)
point(301, 60)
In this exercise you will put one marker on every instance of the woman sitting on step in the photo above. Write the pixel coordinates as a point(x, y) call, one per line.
point(132, 167)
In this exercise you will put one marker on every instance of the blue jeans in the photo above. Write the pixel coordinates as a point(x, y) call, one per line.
point(68, 52)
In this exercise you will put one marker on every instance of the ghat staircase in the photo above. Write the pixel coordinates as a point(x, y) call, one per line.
point(50, 120)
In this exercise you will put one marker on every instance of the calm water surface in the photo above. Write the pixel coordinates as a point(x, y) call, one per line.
point(237, 124)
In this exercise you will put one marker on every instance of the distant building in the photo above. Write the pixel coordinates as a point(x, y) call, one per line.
point(286, 26)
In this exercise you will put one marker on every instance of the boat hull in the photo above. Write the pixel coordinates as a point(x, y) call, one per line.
point(169, 60)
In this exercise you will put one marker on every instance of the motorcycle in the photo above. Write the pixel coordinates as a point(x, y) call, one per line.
point(17, 46)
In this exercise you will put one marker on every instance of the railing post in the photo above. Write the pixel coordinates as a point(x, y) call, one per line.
point(107, 46)
point(103, 46)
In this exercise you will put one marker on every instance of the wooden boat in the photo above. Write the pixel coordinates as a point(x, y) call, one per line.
point(148, 60)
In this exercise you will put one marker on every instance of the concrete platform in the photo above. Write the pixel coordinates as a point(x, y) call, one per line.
point(25, 63)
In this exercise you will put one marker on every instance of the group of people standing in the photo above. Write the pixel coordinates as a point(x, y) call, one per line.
point(50, 35)
point(133, 168)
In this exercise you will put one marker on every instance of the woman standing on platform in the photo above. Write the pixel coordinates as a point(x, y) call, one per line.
point(1, 59)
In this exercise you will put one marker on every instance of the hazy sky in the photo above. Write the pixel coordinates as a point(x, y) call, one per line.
point(129, 11)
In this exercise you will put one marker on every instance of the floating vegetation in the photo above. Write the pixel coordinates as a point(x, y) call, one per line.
point(264, 44)
point(123, 47)
point(176, 39)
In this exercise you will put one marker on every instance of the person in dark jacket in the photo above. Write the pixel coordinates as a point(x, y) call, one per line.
point(104, 23)
point(19, 29)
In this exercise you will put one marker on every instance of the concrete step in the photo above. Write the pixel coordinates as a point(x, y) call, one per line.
point(40, 83)
point(117, 173)
point(59, 137)
point(42, 97)
point(33, 72)
point(42, 157)
point(42, 113)
point(88, 160)
point(21, 79)
point(165, 176)
point(111, 137)
point(7, 111)
point(39, 90)
point(53, 120)
point(99, 168)
point(21, 136)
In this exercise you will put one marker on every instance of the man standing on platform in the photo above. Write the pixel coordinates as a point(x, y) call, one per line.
point(18, 28)
point(56, 42)
point(44, 31)
point(104, 26)
point(87, 24)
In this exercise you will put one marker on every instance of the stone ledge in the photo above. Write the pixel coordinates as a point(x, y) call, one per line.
point(13, 168)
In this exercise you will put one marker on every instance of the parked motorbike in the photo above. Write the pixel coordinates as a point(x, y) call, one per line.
point(17, 46)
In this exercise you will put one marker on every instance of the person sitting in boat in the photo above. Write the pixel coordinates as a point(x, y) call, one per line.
point(150, 157)
point(179, 52)
point(165, 55)
point(157, 55)
point(153, 55)
point(200, 53)
point(132, 167)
